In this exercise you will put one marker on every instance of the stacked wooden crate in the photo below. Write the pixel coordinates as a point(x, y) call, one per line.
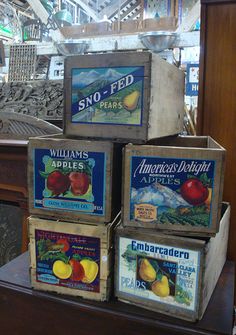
point(75, 184)
point(172, 193)
point(75, 207)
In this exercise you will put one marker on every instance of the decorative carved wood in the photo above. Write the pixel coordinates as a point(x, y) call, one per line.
point(18, 126)
point(42, 98)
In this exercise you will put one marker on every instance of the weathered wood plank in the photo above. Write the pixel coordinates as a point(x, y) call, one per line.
point(73, 259)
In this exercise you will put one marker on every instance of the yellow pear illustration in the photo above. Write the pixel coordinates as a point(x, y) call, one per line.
point(161, 287)
point(130, 102)
point(146, 271)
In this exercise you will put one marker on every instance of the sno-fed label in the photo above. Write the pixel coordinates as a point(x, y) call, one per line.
point(171, 190)
point(108, 95)
point(67, 260)
point(70, 180)
point(159, 272)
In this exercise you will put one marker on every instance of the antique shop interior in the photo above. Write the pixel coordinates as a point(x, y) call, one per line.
point(117, 167)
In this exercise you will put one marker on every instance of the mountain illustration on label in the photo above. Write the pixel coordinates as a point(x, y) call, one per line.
point(160, 203)
point(107, 95)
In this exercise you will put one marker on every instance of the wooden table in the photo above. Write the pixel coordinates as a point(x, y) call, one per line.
point(24, 311)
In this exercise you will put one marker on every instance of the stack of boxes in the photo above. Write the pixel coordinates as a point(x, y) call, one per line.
point(170, 187)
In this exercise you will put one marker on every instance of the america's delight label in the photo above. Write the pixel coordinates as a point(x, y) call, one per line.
point(70, 180)
point(67, 260)
point(171, 190)
point(108, 95)
point(159, 272)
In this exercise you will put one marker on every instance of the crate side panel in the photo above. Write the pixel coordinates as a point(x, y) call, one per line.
point(167, 99)
point(118, 129)
point(68, 258)
point(147, 274)
point(215, 259)
point(99, 125)
point(157, 178)
point(89, 204)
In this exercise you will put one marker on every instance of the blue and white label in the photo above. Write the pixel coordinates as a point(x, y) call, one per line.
point(158, 272)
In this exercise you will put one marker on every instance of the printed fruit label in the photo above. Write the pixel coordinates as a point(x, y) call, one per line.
point(70, 180)
point(171, 190)
point(67, 260)
point(159, 272)
point(109, 95)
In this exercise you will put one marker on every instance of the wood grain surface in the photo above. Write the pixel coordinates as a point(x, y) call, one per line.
point(39, 313)
point(217, 91)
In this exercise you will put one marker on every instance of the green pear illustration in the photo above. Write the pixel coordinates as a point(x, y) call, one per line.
point(161, 287)
point(130, 102)
point(146, 271)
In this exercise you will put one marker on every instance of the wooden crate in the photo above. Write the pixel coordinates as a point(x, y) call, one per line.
point(169, 274)
point(174, 185)
point(74, 179)
point(70, 258)
point(123, 96)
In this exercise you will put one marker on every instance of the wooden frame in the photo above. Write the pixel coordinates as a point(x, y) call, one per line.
point(178, 149)
point(157, 102)
point(81, 237)
point(109, 155)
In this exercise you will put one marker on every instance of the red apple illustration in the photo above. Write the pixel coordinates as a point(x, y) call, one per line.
point(77, 270)
point(194, 192)
point(79, 182)
point(64, 244)
point(57, 182)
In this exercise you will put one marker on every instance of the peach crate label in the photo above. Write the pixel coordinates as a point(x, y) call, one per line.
point(67, 260)
point(159, 273)
point(171, 190)
point(70, 180)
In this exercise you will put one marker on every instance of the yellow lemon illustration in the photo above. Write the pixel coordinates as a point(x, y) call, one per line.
point(146, 271)
point(90, 270)
point(161, 287)
point(61, 269)
point(130, 102)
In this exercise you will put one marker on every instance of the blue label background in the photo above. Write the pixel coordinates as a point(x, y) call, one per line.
point(98, 180)
point(136, 160)
point(44, 267)
point(77, 85)
point(182, 176)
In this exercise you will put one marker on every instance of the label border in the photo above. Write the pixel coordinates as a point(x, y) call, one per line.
point(160, 302)
point(213, 180)
point(65, 209)
point(105, 123)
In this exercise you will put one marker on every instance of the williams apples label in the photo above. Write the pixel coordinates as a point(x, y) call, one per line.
point(67, 260)
point(70, 180)
point(109, 95)
point(171, 191)
point(159, 273)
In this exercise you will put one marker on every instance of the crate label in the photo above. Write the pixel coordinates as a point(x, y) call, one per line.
point(145, 212)
point(70, 180)
point(68, 260)
point(160, 273)
point(108, 95)
point(171, 190)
